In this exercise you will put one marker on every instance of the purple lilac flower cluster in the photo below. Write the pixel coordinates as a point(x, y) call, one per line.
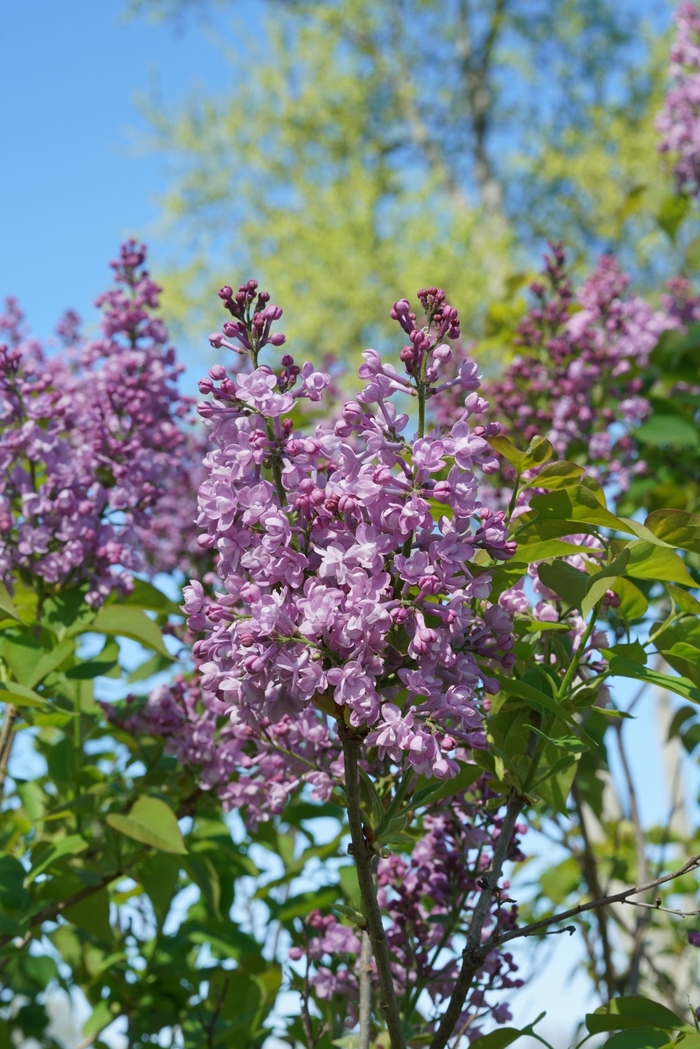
point(348, 555)
point(254, 771)
point(418, 894)
point(91, 440)
point(577, 371)
point(679, 121)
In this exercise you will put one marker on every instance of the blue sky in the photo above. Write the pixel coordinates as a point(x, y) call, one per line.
point(72, 182)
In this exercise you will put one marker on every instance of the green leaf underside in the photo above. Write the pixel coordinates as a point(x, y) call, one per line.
point(634, 1011)
point(123, 621)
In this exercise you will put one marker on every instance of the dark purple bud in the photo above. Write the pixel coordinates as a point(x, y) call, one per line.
point(286, 360)
point(226, 292)
point(278, 339)
point(694, 939)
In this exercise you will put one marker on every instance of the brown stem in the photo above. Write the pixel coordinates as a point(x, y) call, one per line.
point(618, 897)
point(474, 953)
point(363, 865)
point(632, 981)
point(365, 981)
point(6, 740)
point(590, 873)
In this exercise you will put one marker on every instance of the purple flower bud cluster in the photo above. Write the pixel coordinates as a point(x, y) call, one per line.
point(418, 895)
point(348, 554)
point(91, 439)
point(679, 121)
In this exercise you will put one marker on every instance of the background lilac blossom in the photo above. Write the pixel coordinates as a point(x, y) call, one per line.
point(92, 441)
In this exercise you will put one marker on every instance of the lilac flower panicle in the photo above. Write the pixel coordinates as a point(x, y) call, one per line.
point(577, 370)
point(679, 121)
point(346, 554)
point(91, 441)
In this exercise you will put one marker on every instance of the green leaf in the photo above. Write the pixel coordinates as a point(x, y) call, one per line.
point(539, 451)
point(577, 504)
point(145, 595)
point(638, 1038)
point(634, 1011)
point(565, 580)
point(506, 448)
point(498, 1039)
point(303, 903)
point(654, 562)
point(684, 601)
point(634, 652)
point(6, 603)
point(101, 1017)
point(90, 669)
point(13, 895)
point(32, 798)
point(676, 527)
point(92, 914)
point(633, 603)
point(681, 686)
point(543, 549)
point(224, 937)
point(151, 822)
point(203, 873)
point(152, 666)
point(692, 254)
point(534, 697)
point(673, 430)
point(20, 696)
point(158, 873)
point(672, 210)
point(599, 584)
point(31, 662)
point(68, 846)
point(122, 621)
point(561, 474)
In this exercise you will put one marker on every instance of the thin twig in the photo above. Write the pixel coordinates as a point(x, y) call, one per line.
point(658, 907)
point(474, 953)
point(632, 981)
point(590, 873)
point(6, 740)
point(363, 865)
point(618, 897)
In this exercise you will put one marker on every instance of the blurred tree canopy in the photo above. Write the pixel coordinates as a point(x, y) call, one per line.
point(368, 147)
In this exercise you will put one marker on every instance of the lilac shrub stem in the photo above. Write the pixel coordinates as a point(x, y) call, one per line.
point(474, 950)
point(365, 982)
point(363, 865)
